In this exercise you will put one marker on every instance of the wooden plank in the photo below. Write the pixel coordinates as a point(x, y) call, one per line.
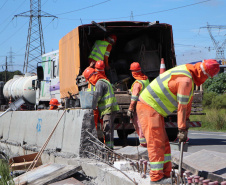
point(24, 165)
point(69, 181)
point(46, 174)
point(23, 162)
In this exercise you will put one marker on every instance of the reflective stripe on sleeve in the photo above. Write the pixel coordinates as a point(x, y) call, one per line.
point(107, 53)
point(183, 99)
point(134, 98)
point(142, 141)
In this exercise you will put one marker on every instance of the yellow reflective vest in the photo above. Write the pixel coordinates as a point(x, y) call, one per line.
point(144, 84)
point(99, 50)
point(108, 102)
point(158, 95)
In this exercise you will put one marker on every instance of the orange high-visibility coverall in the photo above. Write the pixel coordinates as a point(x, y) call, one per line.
point(53, 107)
point(137, 87)
point(153, 125)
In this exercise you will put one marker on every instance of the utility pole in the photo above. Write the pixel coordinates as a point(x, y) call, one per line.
point(218, 47)
point(35, 42)
point(6, 69)
point(131, 16)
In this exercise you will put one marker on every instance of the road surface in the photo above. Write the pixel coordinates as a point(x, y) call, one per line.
point(198, 140)
point(214, 141)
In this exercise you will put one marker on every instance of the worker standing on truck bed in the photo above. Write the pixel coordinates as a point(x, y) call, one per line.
point(105, 101)
point(53, 104)
point(137, 87)
point(101, 51)
point(171, 90)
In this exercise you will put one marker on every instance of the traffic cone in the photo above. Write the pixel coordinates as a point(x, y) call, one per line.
point(162, 66)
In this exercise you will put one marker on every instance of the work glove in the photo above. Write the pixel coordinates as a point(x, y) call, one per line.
point(130, 114)
point(182, 135)
point(92, 64)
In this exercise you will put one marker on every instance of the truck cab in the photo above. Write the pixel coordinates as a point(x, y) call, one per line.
point(48, 84)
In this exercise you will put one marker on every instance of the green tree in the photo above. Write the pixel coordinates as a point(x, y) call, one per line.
point(9, 75)
point(216, 84)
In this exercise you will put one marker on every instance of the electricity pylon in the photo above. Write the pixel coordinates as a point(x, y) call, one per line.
point(218, 47)
point(35, 43)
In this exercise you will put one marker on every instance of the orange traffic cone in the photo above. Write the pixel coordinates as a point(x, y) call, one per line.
point(162, 66)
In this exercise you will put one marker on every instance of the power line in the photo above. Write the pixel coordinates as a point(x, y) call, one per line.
point(218, 47)
point(146, 13)
point(13, 34)
point(84, 8)
point(3, 4)
point(13, 12)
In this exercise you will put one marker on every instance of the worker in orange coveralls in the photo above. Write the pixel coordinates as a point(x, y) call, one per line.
point(53, 104)
point(101, 51)
point(171, 90)
point(137, 87)
point(106, 102)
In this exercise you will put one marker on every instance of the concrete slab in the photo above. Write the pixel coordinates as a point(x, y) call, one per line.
point(134, 152)
point(103, 174)
point(208, 164)
point(46, 174)
point(123, 165)
point(69, 181)
point(24, 131)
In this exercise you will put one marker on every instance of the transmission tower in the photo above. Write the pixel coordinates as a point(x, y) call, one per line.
point(35, 43)
point(218, 47)
point(11, 57)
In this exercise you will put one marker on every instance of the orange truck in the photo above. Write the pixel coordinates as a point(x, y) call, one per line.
point(143, 42)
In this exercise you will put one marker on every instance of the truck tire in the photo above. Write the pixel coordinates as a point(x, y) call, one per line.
point(172, 133)
point(123, 134)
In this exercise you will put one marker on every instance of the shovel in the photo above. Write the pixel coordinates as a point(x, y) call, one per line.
point(14, 106)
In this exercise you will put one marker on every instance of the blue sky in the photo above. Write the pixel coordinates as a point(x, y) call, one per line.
point(186, 16)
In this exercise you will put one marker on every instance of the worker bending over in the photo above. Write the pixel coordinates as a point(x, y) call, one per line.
point(106, 102)
point(101, 51)
point(53, 104)
point(137, 87)
point(171, 90)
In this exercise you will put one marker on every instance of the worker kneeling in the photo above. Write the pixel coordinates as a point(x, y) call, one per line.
point(171, 90)
point(105, 101)
point(137, 87)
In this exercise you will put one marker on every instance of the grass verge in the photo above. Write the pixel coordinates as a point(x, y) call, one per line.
point(214, 120)
point(6, 178)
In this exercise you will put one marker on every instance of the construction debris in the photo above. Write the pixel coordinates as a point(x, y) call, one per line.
point(47, 173)
point(23, 162)
point(69, 181)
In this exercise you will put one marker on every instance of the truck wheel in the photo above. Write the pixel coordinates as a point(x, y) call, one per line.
point(172, 133)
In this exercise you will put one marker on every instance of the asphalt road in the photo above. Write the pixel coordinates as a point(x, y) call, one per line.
point(214, 141)
point(198, 140)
